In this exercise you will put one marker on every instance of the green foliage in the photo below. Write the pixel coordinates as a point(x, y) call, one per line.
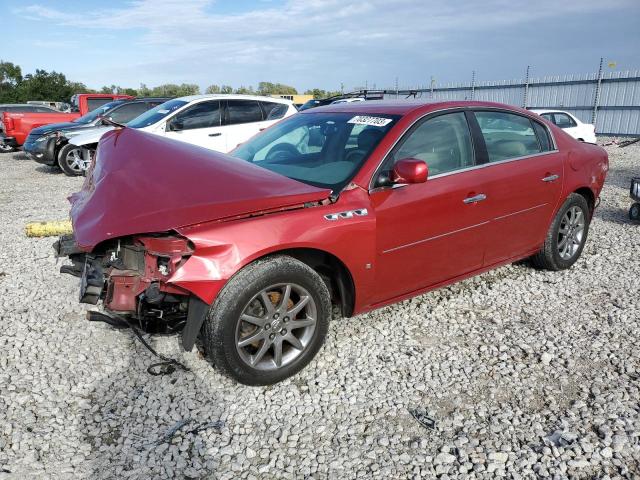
point(10, 77)
point(268, 88)
point(318, 93)
point(226, 89)
point(245, 90)
point(172, 90)
point(213, 89)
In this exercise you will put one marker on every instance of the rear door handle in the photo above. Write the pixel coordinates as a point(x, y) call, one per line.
point(215, 134)
point(475, 199)
point(551, 178)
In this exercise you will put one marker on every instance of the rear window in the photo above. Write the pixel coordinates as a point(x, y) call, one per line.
point(95, 102)
point(507, 135)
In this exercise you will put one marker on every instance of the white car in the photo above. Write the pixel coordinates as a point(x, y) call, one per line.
point(585, 132)
point(218, 122)
point(348, 100)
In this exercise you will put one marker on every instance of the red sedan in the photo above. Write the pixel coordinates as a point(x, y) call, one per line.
point(357, 206)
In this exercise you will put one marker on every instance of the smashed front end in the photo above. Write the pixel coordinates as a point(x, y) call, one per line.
point(130, 277)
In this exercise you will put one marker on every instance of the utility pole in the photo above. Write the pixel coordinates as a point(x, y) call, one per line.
point(473, 83)
point(433, 81)
point(397, 93)
point(342, 88)
point(596, 99)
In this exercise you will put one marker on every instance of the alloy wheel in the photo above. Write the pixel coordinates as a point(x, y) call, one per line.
point(78, 159)
point(571, 232)
point(276, 326)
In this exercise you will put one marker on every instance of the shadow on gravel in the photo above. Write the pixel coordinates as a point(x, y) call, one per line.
point(614, 214)
point(145, 426)
point(47, 169)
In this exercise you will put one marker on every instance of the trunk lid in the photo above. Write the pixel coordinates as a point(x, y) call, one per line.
point(144, 183)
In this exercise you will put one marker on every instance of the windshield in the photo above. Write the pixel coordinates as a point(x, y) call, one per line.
point(321, 149)
point(156, 114)
point(93, 114)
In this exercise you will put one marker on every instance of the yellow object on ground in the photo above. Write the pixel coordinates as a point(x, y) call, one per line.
point(48, 229)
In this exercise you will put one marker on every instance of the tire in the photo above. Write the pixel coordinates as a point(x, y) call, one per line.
point(227, 335)
point(556, 255)
point(74, 160)
point(634, 212)
point(6, 148)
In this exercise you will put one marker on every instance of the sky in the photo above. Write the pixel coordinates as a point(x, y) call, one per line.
point(317, 43)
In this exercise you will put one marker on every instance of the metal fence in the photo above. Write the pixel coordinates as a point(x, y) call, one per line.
point(609, 100)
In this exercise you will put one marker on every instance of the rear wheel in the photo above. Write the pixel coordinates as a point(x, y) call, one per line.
point(6, 148)
point(566, 236)
point(268, 322)
point(74, 160)
point(634, 212)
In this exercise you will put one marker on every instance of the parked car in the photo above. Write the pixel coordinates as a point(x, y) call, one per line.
point(357, 206)
point(349, 100)
point(585, 132)
point(49, 144)
point(18, 108)
point(217, 122)
point(18, 125)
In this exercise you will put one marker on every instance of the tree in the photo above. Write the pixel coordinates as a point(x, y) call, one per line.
point(173, 90)
point(144, 91)
point(129, 91)
point(226, 89)
point(242, 90)
point(10, 78)
point(43, 85)
point(213, 89)
point(319, 93)
point(268, 88)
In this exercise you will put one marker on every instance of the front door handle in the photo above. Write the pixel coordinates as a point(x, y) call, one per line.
point(475, 199)
point(215, 134)
point(551, 178)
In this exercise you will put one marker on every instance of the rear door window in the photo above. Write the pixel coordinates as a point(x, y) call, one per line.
point(96, 102)
point(563, 120)
point(128, 112)
point(242, 111)
point(507, 135)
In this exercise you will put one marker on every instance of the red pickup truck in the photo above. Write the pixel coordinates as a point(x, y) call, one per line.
point(18, 125)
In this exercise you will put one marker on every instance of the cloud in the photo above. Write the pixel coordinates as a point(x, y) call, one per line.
point(303, 34)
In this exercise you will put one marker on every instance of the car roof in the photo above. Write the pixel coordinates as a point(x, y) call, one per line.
point(404, 107)
point(233, 96)
point(546, 110)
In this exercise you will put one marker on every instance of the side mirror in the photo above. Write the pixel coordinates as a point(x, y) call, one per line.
point(410, 170)
point(175, 126)
point(105, 120)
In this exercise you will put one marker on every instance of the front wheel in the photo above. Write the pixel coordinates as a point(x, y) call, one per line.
point(566, 236)
point(634, 212)
point(268, 322)
point(74, 160)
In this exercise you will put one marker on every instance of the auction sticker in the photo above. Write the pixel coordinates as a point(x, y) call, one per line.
point(371, 121)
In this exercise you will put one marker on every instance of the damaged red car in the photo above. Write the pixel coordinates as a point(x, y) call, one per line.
point(353, 206)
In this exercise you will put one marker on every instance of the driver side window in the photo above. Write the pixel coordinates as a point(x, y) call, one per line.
point(443, 142)
point(200, 115)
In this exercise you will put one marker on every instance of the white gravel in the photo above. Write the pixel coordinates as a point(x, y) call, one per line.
point(516, 373)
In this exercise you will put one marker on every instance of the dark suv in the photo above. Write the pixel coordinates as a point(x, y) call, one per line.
point(49, 144)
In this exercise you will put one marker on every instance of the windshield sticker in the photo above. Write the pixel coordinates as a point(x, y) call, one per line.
point(163, 111)
point(371, 121)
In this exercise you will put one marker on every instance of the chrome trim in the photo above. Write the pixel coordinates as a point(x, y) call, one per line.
point(475, 167)
point(551, 178)
point(433, 238)
point(360, 212)
point(521, 211)
point(475, 199)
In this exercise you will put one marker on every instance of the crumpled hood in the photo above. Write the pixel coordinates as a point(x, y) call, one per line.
point(144, 183)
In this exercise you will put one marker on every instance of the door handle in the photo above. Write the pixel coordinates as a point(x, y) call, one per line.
point(215, 134)
point(475, 199)
point(551, 178)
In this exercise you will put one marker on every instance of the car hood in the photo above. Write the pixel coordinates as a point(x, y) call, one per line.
point(90, 136)
point(144, 183)
point(54, 127)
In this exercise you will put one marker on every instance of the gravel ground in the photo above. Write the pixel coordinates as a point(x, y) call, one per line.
point(516, 373)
